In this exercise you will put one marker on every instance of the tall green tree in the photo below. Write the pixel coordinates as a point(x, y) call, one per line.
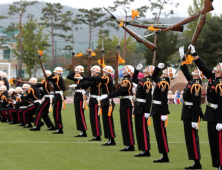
point(10, 33)
point(56, 21)
point(33, 38)
point(94, 19)
point(19, 8)
point(167, 45)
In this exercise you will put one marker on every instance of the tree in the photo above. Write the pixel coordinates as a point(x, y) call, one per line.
point(19, 8)
point(124, 4)
point(10, 32)
point(56, 20)
point(157, 6)
point(94, 19)
point(167, 45)
point(33, 38)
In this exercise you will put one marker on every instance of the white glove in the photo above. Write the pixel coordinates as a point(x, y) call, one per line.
point(147, 115)
point(73, 86)
point(161, 65)
point(219, 126)
point(19, 95)
point(164, 118)
point(78, 78)
point(192, 49)
point(103, 97)
point(194, 125)
point(139, 66)
point(14, 102)
point(83, 92)
point(181, 51)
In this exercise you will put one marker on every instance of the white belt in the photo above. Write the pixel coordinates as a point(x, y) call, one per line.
point(141, 100)
point(156, 102)
point(126, 97)
point(22, 107)
point(94, 96)
point(52, 92)
point(215, 106)
point(188, 103)
point(59, 92)
point(50, 96)
point(37, 101)
point(80, 91)
point(30, 105)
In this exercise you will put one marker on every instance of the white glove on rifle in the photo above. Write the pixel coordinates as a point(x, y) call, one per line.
point(14, 102)
point(181, 51)
point(194, 125)
point(73, 86)
point(164, 118)
point(161, 65)
point(219, 126)
point(103, 97)
point(192, 48)
point(19, 95)
point(78, 78)
point(139, 66)
point(147, 115)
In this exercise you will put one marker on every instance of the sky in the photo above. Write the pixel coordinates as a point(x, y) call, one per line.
point(88, 4)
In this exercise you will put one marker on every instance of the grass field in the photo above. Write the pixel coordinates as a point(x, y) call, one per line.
point(22, 149)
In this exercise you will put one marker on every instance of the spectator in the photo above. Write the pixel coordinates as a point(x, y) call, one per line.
point(170, 97)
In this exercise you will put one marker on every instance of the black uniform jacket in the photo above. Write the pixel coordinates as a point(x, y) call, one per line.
point(143, 91)
point(214, 94)
point(192, 93)
point(125, 89)
point(77, 96)
point(33, 94)
point(58, 85)
point(160, 94)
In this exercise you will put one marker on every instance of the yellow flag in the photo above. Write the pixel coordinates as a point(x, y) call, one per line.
point(150, 28)
point(135, 13)
point(189, 60)
point(93, 54)
point(78, 55)
point(121, 23)
point(40, 52)
point(11, 81)
point(100, 63)
point(120, 60)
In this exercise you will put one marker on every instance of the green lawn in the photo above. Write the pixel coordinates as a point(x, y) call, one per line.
point(22, 149)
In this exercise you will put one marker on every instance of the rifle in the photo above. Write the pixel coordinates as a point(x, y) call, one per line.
point(138, 38)
point(73, 61)
point(26, 82)
point(207, 8)
point(44, 73)
point(102, 56)
point(116, 66)
point(89, 62)
point(16, 71)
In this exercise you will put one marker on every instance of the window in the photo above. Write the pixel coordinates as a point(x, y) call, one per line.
point(6, 54)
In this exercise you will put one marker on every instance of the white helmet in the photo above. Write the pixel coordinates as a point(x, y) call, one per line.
point(217, 68)
point(48, 72)
point(96, 68)
point(33, 80)
point(129, 69)
point(58, 70)
point(79, 68)
point(18, 89)
point(11, 90)
point(4, 74)
point(26, 86)
point(3, 87)
point(201, 75)
point(1, 83)
point(108, 69)
point(171, 72)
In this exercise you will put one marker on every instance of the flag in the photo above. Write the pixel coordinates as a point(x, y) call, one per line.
point(135, 13)
point(78, 55)
point(100, 63)
point(120, 60)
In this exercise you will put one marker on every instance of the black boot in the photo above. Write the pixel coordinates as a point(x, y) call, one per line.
point(51, 128)
point(82, 134)
point(110, 142)
point(96, 138)
point(22, 124)
point(28, 126)
point(196, 165)
point(128, 148)
point(12, 122)
point(143, 154)
point(37, 128)
point(59, 131)
point(42, 124)
point(163, 159)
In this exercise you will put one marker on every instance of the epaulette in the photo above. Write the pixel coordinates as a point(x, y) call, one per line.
point(43, 81)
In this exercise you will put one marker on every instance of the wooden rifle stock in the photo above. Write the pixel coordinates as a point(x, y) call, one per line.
point(102, 60)
point(116, 66)
point(73, 61)
point(89, 64)
point(45, 75)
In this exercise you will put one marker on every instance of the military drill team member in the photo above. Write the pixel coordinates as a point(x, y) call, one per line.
point(11, 99)
point(192, 112)
point(4, 80)
point(33, 95)
point(142, 108)
point(43, 110)
point(213, 113)
point(106, 106)
point(126, 106)
point(160, 108)
point(95, 92)
point(4, 103)
point(79, 101)
point(59, 88)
